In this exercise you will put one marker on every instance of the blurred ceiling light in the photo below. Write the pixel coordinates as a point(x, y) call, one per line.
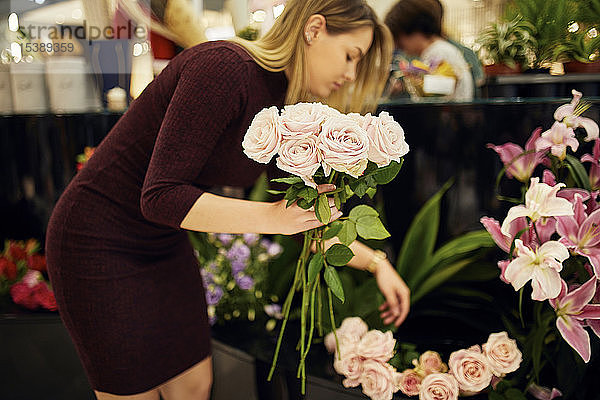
point(145, 47)
point(13, 22)
point(259, 15)
point(60, 19)
point(15, 50)
point(573, 26)
point(592, 33)
point(77, 13)
point(40, 1)
point(277, 10)
point(137, 50)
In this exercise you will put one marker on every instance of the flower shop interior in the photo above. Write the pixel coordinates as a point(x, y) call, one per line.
point(491, 220)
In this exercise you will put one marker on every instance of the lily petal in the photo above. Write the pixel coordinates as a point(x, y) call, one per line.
point(514, 213)
point(590, 312)
point(554, 249)
point(580, 296)
point(519, 272)
point(594, 258)
point(568, 228)
point(493, 228)
point(548, 178)
point(547, 281)
point(590, 126)
point(557, 206)
point(564, 111)
point(530, 145)
point(545, 228)
point(555, 303)
point(579, 208)
point(574, 334)
point(590, 229)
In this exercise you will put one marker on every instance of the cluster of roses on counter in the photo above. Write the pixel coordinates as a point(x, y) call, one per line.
point(556, 224)
point(362, 356)
point(21, 275)
point(307, 136)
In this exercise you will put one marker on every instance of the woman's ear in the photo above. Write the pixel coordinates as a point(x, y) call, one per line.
point(315, 25)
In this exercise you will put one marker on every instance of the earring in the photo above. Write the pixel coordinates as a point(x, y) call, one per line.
point(308, 38)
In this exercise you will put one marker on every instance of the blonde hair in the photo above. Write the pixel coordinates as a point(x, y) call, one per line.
point(283, 46)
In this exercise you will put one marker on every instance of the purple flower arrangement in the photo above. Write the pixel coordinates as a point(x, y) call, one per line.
point(234, 269)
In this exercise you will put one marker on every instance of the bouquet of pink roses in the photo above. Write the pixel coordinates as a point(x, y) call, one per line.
point(317, 144)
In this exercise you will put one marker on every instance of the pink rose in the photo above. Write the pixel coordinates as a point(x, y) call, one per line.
point(377, 345)
point(349, 364)
point(344, 146)
point(300, 157)
point(377, 380)
point(386, 139)
point(439, 386)
point(502, 354)
point(409, 382)
point(263, 139)
point(471, 370)
point(351, 331)
point(430, 362)
point(303, 119)
point(354, 326)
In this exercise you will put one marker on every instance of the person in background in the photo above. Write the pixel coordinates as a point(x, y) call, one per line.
point(417, 29)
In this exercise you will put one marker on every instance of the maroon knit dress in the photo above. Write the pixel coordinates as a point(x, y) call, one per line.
point(126, 280)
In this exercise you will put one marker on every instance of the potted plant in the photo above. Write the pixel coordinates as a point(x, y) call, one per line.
point(551, 20)
point(581, 51)
point(507, 46)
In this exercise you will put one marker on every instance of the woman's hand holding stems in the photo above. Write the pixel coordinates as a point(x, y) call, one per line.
point(212, 213)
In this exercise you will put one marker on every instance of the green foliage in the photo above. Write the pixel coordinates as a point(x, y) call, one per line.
point(333, 282)
point(508, 42)
point(339, 255)
point(550, 20)
point(579, 46)
point(424, 269)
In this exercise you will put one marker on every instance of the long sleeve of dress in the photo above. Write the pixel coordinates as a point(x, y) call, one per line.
point(211, 92)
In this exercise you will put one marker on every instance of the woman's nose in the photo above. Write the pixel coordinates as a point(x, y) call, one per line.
point(350, 74)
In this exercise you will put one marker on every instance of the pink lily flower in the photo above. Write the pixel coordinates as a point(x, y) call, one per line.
point(570, 115)
point(540, 201)
point(557, 138)
point(566, 193)
point(581, 233)
point(572, 310)
point(517, 164)
point(541, 265)
point(594, 174)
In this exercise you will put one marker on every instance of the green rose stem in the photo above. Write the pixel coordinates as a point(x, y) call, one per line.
point(287, 305)
point(309, 291)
